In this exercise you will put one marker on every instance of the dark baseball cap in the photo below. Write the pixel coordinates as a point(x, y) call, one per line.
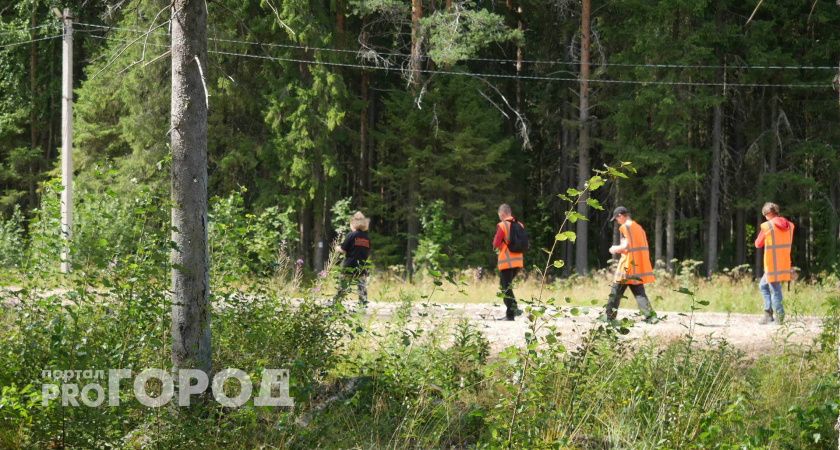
point(618, 211)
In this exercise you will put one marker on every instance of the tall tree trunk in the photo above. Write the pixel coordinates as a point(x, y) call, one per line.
point(582, 242)
point(670, 237)
point(33, 106)
point(774, 142)
point(740, 237)
point(658, 232)
point(33, 79)
point(190, 275)
point(340, 20)
point(305, 221)
point(364, 122)
point(714, 194)
point(516, 9)
point(415, 69)
point(320, 211)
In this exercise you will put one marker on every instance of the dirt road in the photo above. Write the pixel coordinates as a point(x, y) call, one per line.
point(741, 330)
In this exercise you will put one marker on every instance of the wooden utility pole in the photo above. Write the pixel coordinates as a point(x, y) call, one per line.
point(66, 139)
point(190, 258)
point(582, 242)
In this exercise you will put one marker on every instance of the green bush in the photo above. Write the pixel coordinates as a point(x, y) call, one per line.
point(12, 242)
point(244, 243)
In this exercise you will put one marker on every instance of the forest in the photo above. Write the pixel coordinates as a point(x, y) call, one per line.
point(720, 105)
point(222, 149)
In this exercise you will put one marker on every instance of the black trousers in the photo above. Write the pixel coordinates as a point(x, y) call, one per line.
point(506, 281)
point(349, 277)
point(618, 290)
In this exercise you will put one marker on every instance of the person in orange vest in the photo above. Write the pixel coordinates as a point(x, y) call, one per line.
point(776, 238)
point(508, 262)
point(634, 268)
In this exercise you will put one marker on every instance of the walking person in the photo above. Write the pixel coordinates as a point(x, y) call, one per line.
point(356, 248)
point(511, 242)
point(776, 238)
point(634, 268)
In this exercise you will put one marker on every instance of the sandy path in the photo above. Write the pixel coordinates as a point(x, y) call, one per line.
point(741, 330)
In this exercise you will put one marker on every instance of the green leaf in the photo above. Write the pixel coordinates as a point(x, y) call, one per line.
point(594, 203)
point(595, 182)
point(559, 263)
point(684, 290)
point(574, 216)
point(573, 192)
point(566, 236)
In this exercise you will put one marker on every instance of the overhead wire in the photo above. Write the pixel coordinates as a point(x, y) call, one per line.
point(14, 44)
point(502, 60)
point(24, 30)
point(827, 85)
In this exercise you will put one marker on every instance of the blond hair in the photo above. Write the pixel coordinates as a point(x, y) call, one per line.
point(770, 207)
point(359, 222)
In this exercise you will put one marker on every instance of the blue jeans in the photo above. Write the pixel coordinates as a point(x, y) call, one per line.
point(772, 293)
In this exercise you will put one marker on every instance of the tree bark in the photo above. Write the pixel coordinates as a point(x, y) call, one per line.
point(516, 9)
point(413, 222)
point(582, 242)
point(318, 254)
point(670, 237)
point(306, 231)
point(190, 275)
point(657, 231)
point(714, 194)
point(362, 175)
point(33, 80)
point(740, 237)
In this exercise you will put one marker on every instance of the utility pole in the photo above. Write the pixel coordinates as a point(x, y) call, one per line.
point(67, 140)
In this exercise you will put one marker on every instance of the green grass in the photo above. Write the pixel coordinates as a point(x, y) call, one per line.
point(723, 293)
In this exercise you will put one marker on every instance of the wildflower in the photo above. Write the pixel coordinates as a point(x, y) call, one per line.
point(322, 274)
point(299, 262)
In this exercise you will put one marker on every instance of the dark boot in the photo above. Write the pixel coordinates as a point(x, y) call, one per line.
point(511, 310)
point(613, 302)
point(645, 309)
point(768, 317)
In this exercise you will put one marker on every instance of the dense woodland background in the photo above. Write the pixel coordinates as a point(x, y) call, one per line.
point(428, 114)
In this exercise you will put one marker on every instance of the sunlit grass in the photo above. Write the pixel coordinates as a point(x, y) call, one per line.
point(723, 294)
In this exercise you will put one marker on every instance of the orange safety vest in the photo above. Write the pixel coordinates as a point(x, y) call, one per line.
point(634, 266)
point(777, 245)
point(508, 259)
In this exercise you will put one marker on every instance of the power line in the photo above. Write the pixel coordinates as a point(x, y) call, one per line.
point(506, 61)
point(13, 44)
point(827, 85)
point(533, 77)
point(24, 30)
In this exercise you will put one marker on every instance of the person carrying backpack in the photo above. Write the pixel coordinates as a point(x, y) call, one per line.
point(511, 242)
